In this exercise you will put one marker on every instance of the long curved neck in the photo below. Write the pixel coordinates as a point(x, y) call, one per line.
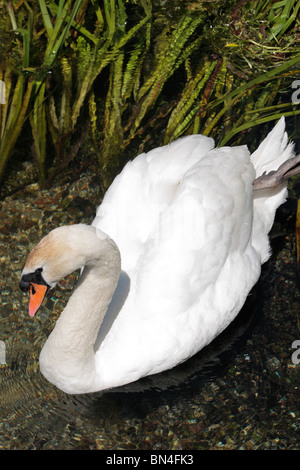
point(68, 358)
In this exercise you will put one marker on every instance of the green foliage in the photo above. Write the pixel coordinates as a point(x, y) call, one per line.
point(92, 52)
point(129, 73)
point(18, 92)
point(281, 15)
point(32, 90)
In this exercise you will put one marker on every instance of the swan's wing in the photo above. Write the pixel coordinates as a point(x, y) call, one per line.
point(143, 189)
point(209, 219)
point(194, 271)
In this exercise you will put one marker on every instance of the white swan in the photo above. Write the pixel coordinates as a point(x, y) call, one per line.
point(192, 237)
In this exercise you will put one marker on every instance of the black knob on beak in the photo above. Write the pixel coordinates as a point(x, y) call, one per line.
point(24, 285)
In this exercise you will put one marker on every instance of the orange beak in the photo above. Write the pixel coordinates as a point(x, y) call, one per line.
point(37, 294)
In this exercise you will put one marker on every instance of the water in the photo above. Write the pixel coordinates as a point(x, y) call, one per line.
point(242, 392)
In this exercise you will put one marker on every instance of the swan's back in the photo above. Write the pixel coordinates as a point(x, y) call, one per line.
point(143, 189)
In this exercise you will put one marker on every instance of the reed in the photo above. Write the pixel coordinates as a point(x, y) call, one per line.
point(26, 99)
point(18, 88)
point(93, 51)
point(57, 29)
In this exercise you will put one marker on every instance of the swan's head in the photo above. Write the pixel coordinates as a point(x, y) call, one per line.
point(58, 254)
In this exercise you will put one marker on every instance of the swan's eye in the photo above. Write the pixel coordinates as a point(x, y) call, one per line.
point(38, 276)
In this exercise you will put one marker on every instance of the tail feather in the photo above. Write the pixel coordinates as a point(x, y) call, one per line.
point(272, 152)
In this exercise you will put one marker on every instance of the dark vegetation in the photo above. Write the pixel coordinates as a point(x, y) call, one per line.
point(104, 80)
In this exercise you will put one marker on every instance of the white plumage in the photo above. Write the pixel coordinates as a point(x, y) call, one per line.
point(192, 237)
